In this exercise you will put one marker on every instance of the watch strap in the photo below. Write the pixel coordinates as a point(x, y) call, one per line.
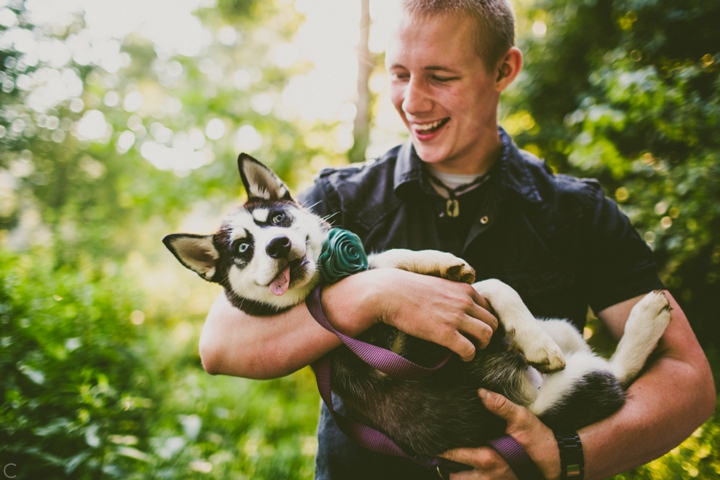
point(572, 462)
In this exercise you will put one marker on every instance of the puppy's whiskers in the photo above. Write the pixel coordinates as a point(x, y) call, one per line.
point(310, 207)
point(328, 217)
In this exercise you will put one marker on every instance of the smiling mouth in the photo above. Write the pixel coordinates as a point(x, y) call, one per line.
point(426, 128)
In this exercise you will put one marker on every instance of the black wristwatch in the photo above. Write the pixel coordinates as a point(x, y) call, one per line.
point(572, 463)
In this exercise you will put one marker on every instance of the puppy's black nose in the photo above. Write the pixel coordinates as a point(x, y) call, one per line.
point(278, 247)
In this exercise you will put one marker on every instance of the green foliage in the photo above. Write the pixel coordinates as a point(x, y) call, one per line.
point(90, 177)
point(87, 393)
point(629, 92)
point(70, 381)
point(145, 139)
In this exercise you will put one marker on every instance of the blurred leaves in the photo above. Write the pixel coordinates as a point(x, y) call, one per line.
point(67, 363)
point(105, 144)
point(629, 92)
point(89, 391)
point(101, 129)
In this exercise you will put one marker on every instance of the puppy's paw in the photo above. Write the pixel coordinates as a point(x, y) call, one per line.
point(650, 316)
point(540, 350)
point(443, 265)
point(654, 304)
point(461, 272)
point(426, 262)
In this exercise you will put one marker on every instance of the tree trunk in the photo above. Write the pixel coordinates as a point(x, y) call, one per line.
point(361, 126)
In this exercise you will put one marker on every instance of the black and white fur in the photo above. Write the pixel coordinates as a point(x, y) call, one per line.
point(265, 255)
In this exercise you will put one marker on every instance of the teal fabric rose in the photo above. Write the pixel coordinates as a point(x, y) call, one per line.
point(342, 255)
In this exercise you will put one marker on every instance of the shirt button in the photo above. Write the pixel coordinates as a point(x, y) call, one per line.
point(484, 219)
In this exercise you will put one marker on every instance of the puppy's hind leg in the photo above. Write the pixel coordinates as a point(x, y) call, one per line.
point(647, 322)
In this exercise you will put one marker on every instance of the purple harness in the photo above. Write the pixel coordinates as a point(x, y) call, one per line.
point(399, 367)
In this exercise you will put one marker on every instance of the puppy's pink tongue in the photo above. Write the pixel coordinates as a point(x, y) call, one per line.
point(280, 284)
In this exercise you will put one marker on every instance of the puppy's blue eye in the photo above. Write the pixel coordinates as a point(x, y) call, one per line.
point(242, 248)
point(278, 218)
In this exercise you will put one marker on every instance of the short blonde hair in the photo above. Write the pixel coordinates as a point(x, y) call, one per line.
point(495, 19)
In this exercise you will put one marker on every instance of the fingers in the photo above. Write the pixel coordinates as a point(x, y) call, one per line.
point(483, 310)
point(481, 300)
point(467, 335)
point(460, 344)
point(480, 324)
point(475, 328)
point(486, 464)
point(499, 405)
point(473, 457)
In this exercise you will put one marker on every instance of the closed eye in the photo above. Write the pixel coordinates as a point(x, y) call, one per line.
point(443, 79)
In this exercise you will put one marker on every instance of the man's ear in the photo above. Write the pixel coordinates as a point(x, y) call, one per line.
point(196, 252)
point(509, 68)
point(260, 182)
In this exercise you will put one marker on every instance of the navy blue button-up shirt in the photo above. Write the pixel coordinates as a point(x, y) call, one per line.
point(556, 239)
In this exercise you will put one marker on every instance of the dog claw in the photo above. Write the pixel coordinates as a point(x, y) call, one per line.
point(541, 352)
point(460, 273)
point(549, 366)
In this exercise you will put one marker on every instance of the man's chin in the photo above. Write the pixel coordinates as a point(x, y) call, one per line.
point(429, 154)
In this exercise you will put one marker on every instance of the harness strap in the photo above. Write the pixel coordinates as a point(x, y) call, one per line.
point(399, 367)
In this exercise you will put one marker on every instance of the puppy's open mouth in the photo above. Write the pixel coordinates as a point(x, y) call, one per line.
point(287, 275)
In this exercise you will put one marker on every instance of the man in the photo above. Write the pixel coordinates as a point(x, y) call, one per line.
point(462, 186)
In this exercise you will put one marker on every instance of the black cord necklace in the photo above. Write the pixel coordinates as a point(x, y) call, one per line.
point(452, 205)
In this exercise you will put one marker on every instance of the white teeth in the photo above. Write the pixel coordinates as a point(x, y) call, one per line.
point(427, 126)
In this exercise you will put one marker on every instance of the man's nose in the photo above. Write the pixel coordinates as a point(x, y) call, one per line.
point(417, 99)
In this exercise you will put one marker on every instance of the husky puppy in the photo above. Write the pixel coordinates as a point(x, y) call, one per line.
point(265, 256)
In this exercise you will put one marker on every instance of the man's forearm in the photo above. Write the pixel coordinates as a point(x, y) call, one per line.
point(662, 410)
point(234, 343)
point(665, 405)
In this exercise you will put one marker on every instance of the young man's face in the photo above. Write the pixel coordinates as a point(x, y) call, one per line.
point(443, 92)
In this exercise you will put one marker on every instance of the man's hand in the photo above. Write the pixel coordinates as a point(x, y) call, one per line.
point(537, 440)
point(451, 314)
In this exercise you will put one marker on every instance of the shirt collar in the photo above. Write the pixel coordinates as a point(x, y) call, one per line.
point(512, 170)
point(408, 168)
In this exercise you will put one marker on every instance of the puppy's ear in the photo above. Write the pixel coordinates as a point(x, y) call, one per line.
point(195, 252)
point(260, 182)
